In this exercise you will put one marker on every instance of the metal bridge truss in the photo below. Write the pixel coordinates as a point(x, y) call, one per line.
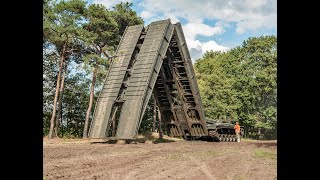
point(153, 59)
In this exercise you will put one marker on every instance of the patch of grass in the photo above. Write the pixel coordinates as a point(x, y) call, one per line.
point(247, 139)
point(204, 154)
point(265, 154)
point(250, 140)
point(256, 140)
point(175, 156)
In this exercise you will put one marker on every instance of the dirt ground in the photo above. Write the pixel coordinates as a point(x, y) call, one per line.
point(87, 159)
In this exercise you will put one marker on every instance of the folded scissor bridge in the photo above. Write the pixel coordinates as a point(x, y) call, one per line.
point(153, 59)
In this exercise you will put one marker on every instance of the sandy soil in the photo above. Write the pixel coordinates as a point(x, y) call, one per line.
point(87, 159)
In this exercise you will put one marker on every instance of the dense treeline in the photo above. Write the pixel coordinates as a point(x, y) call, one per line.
point(79, 40)
point(242, 84)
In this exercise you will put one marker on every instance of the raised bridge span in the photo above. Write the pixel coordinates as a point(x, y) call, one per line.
point(152, 59)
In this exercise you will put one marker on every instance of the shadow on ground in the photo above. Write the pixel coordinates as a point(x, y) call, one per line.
point(156, 141)
point(133, 141)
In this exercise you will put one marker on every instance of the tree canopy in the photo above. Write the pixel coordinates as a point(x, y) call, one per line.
point(241, 83)
point(75, 32)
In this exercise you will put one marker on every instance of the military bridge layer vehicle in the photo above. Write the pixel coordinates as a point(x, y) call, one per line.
point(151, 60)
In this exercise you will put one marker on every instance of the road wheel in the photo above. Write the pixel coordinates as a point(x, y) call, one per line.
point(223, 139)
point(233, 138)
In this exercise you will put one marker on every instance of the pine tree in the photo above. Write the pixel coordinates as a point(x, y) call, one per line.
point(102, 35)
point(61, 28)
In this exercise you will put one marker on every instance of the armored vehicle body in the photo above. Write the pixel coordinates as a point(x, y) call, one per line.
point(223, 129)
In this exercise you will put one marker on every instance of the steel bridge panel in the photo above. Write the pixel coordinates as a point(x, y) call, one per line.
point(137, 98)
point(105, 102)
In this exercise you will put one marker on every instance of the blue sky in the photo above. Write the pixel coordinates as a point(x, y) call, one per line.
point(210, 24)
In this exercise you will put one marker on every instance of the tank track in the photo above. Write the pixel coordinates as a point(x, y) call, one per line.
point(222, 137)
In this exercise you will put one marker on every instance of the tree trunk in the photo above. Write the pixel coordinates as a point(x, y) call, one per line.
point(61, 121)
point(160, 129)
point(67, 126)
point(86, 124)
point(59, 107)
point(154, 114)
point(56, 94)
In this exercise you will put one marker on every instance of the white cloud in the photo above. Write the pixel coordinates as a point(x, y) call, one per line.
point(109, 3)
point(212, 45)
point(192, 29)
point(145, 14)
point(197, 48)
point(254, 24)
point(172, 17)
point(247, 14)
